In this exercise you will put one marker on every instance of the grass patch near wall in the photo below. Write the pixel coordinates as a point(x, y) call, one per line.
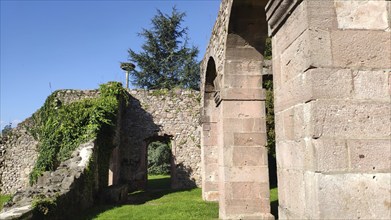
point(159, 202)
point(3, 199)
point(274, 202)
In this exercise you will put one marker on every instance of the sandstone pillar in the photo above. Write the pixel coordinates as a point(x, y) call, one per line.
point(243, 164)
point(331, 63)
point(209, 136)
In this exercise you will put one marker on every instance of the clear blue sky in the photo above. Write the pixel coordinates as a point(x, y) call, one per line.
point(50, 45)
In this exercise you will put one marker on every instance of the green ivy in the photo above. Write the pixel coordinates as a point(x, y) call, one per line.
point(60, 129)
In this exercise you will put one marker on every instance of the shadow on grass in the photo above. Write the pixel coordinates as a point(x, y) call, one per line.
point(156, 189)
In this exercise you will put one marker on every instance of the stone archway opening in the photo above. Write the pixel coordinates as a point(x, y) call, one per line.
point(209, 139)
point(159, 162)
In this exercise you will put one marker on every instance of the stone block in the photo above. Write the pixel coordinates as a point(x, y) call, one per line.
point(243, 207)
point(350, 119)
point(354, 196)
point(309, 14)
point(211, 196)
point(245, 67)
point(242, 81)
point(245, 174)
point(243, 109)
point(250, 139)
point(311, 49)
point(360, 48)
point(370, 15)
point(331, 155)
point(291, 155)
point(243, 53)
point(293, 194)
point(250, 156)
point(210, 186)
point(211, 155)
point(370, 155)
point(293, 27)
point(244, 125)
point(372, 85)
point(247, 190)
point(250, 94)
point(208, 139)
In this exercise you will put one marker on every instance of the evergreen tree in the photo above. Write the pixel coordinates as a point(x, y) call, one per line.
point(166, 61)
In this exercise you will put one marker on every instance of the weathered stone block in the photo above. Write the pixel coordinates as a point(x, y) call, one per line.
point(249, 156)
point(247, 190)
point(250, 139)
point(372, 85)
point(309, 14)
point(243, 207)
point(330, 155)
point(243, 53)
point(311, 49)
point(292, 195)
point(243, 109)
point(245, 67)
point(245, 174)
point(244, 125)
point(370, 155)
point(359, 48)
point(371, 15)
point(290, 155)
point(242, 81)
point(354, 196)
point(252, 94)
point(350, 119)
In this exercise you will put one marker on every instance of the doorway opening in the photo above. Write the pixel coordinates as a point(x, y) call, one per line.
point(159, 163)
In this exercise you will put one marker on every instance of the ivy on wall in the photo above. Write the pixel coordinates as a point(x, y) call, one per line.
point(60, 129)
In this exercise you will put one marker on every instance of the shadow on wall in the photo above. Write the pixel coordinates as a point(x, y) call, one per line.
point(138, 127)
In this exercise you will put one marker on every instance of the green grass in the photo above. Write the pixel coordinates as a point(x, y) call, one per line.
point(159, 182)
point(274, 201)
point(159, 202)
point(3, 199)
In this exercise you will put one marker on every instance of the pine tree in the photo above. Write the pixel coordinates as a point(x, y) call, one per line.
point(166, 61)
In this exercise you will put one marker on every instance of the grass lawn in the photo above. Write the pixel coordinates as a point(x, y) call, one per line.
point(160, 202)
point(3, 199)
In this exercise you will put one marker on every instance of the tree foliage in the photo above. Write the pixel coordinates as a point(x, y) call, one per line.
point(166, 60)
point(159, 156)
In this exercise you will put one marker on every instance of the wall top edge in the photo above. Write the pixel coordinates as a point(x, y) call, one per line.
point(277, 11)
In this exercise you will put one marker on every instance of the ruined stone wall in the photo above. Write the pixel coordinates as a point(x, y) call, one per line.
point(17, 158)
point(70, 186)
point(159, 113)
point(18, 151)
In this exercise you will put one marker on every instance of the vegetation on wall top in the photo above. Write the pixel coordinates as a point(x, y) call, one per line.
point(60, 129)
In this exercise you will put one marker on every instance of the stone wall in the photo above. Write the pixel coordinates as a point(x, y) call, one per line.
point(70, 186)
point(150, 114)
point(331, 62)
point(161, 115)
point(18, 151)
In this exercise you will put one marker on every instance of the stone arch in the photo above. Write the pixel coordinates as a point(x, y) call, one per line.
point(240, 128)
point(243, 165)
point(209, 135)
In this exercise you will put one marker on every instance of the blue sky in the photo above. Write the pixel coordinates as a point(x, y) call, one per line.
point(49, 45)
